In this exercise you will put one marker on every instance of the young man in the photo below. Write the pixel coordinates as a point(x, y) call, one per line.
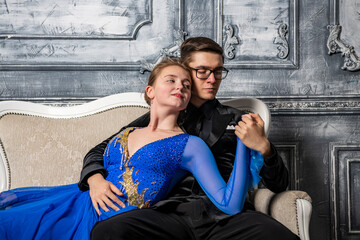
point(188, 213)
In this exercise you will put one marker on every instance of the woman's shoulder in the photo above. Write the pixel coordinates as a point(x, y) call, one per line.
point(195, 138)
point(196, 142)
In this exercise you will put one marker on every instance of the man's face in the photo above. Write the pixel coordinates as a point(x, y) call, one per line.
point(204, 89)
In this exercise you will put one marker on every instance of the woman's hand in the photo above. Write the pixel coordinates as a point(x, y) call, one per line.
point(102, 193)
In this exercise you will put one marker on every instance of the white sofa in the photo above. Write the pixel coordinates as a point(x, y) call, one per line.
point(44, 145)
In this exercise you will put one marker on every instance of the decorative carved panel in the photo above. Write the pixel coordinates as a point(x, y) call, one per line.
point(353, 187)
point(264, 33)
point(345, 32)
point(54, 19)
point(85, 35)
point(344, 190)
point(289, 153)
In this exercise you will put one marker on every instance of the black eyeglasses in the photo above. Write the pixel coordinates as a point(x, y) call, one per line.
point(219, 73)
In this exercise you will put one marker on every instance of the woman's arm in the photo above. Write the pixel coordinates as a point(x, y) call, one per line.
point(228, 197)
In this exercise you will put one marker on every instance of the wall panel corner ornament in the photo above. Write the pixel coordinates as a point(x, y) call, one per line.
point(336, 45)
point(231, 40)
point(282, 41)
point(172, 51)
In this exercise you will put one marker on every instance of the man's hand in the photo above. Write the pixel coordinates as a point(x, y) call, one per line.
point(251, 132)
point(102, 193)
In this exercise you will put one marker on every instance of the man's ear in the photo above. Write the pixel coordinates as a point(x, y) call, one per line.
point(150, 92)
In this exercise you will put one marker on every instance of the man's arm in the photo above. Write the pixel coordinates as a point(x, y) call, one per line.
point(274, 173)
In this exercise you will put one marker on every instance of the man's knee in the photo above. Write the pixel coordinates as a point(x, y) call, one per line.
point(252, 225)
point(273, 231)
point(106, 230)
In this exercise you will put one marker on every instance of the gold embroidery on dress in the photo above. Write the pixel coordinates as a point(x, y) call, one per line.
point(130, 186)
point(131, 189)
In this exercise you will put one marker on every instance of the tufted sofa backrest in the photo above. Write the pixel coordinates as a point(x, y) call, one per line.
point(45, 145)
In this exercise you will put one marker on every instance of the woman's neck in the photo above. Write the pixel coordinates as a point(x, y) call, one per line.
point(164, 121)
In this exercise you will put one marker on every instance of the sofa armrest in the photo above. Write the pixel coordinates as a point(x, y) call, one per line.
point(291, 208)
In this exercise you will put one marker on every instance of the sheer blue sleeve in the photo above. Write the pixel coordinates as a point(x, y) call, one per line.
point(228, 197)
point(256, 163)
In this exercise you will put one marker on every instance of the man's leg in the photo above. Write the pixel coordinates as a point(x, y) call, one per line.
point(144, 224)
point(250, 225)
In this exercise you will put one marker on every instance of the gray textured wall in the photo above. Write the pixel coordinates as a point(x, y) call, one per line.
point(278, 50)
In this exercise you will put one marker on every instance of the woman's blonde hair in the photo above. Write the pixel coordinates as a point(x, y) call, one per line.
point(165, 62)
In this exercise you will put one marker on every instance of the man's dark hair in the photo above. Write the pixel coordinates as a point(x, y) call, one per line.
point(198, 44)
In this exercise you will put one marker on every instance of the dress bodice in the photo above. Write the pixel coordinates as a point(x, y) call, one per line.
point(144, 177)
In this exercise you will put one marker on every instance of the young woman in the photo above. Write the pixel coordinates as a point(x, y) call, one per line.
point(144, 163)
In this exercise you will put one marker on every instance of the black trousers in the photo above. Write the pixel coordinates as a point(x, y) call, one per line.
point(151, 224)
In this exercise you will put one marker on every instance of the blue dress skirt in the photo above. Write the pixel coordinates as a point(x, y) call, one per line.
point(65, 212)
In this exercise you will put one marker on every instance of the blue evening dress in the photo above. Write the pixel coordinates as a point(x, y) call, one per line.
point(65, 212)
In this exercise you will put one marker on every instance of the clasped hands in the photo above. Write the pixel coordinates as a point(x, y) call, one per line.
point(250, 130)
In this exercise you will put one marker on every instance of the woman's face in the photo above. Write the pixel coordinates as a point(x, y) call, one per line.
point(172, 88)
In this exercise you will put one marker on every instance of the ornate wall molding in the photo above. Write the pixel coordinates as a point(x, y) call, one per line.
point(172, 51)
point(342, 13)
point(289, 153)
point(336, 45)
point(282, 41)
point(230, 41)
point(286, 12)
point(309, 105)
point(353, 203)
point(65, 20)
point(109, 50)
point(344, 188)
point(316, 106)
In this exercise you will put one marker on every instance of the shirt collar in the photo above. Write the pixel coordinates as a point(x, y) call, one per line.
point(208, 108)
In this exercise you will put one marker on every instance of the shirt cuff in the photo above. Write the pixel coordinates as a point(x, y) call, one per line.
point(271, 160)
